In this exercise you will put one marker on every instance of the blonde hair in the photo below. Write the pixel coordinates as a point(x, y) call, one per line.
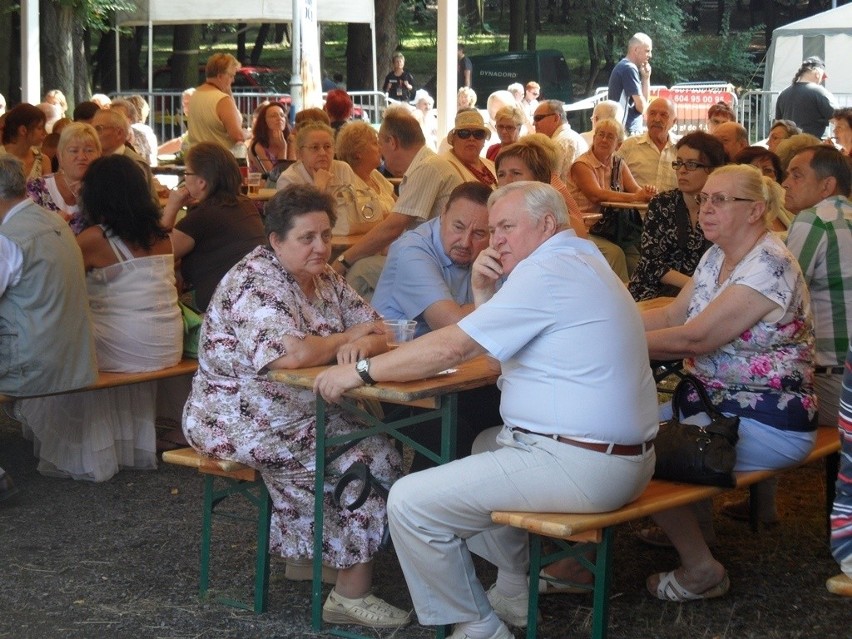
point(469, 96)
point(310, 127)
point(751, 184)
point(512, 113)
point(220, 63)
point(353, 137)
point(613, 126)
point(78, 132)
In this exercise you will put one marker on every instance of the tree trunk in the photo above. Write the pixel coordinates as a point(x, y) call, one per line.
point(517, 16)
point(532, 23)
point(387, 38)
point(184, 61)
point(82, 78)
point(10, 46)
point(257, 50)
point(136, 77)
point(103, 64)
point(241, 42)
point(359, 58)
point(594, 57)
point(56, 22)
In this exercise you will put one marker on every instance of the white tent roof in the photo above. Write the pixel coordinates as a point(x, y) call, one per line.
point(251, 11)
point(827, 35)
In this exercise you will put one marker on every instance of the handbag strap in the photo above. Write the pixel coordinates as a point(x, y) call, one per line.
point(695, 383)
point(615, 176)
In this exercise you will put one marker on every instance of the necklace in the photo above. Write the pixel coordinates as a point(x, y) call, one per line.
point(726, 270)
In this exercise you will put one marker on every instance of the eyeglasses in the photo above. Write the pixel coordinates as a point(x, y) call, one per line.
point(718, 198)
point(690, 165)
point(316, 148)
point(507, 127)
point(540, 116)
point(464, 134)
point(189, 173)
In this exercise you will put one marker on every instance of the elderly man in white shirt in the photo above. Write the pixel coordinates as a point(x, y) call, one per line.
point(549, 118)
point(650, 155)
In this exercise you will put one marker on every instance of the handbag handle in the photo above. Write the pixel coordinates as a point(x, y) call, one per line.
point(680, 393)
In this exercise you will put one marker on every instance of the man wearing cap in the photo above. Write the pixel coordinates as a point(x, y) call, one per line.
point(807, 102)
point(427, 181)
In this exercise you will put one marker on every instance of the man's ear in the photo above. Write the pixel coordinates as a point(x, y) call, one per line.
point(829, 187)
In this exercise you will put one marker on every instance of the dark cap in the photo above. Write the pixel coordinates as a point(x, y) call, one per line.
point(813, 61)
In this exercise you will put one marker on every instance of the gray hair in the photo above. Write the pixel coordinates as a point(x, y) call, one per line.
point(608, 109)
point(557, 107)
point(539, 200)
point(13, 183)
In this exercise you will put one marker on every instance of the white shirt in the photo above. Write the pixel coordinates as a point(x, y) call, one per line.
point(556, 378)
point(11, 257)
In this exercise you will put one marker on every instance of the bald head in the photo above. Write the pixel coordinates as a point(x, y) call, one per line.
point(733, 137)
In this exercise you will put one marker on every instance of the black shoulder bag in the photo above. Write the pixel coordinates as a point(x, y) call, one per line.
point(697, 454)
point(617, 224)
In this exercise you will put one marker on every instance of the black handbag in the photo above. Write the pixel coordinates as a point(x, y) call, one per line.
point(697, 454)
point(616, 224)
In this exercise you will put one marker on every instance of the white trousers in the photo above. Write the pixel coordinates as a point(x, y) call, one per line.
point(440, 515)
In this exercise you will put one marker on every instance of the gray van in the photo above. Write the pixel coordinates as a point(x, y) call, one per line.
point(496, 71)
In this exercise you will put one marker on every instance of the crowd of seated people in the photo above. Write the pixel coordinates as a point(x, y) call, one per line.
point(737, 292)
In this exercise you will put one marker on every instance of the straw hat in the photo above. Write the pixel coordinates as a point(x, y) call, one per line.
point(468, 119)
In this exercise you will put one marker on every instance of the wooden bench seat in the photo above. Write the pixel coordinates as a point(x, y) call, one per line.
point(597, 528)
point(235, 479)
point(111, 380)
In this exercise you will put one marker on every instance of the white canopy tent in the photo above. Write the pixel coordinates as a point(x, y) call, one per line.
point(151, 12)
point(827, 35)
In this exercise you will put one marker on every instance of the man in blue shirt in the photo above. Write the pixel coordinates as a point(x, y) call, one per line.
point(427, 273)
point(630, 82)
point(427, 278)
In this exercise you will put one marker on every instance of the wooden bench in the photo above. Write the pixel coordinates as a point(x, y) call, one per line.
point(111, 380)
point(574, 533)
point(236, 479)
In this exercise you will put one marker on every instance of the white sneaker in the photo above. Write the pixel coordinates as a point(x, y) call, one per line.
point(367, 611)
point(503, 633)
point(512, 610)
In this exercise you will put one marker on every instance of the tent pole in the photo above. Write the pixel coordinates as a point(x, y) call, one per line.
point(448, 30)
point(296, 44)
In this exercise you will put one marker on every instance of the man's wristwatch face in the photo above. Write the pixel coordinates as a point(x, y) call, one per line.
point(362, 366)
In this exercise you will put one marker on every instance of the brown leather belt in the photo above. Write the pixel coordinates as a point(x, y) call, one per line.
point(627, 450)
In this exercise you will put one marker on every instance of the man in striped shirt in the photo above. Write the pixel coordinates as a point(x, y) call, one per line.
point(841, 514)
point(817, 185)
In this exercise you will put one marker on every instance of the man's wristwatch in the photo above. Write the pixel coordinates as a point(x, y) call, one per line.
point(342, 260)
point(362, 367)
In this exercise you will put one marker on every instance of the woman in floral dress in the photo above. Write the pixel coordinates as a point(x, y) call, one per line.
point(282, 306)
point(744, 327)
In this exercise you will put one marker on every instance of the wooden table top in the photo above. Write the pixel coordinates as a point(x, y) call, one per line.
point(642, 206)
point(263, 195)
point(472, 374)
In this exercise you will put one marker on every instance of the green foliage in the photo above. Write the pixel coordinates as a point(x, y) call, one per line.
point(97, 14)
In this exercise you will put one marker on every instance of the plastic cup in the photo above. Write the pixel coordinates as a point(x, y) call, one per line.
point(253, 182)
point(398, 331)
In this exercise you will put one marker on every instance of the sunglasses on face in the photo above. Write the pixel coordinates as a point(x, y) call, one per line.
point(464, 134)
point(540, 116)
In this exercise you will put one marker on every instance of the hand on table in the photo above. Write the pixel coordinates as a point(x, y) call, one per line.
point(648, 191)
point(335, 381)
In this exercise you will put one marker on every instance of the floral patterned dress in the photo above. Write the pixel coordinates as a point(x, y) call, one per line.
point(669, 242)
point(767, 372)
point(234, 412)
point(44, 192)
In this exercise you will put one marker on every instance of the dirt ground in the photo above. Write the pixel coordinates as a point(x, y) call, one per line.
point(120, 560)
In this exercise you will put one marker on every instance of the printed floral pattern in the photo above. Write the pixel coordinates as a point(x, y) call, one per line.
point(235, 412)
point(767, 372)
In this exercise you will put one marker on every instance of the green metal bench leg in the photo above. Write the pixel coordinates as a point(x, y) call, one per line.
point(206, 532)
point(535, 569)
point(261, 566)
point(603, 583)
